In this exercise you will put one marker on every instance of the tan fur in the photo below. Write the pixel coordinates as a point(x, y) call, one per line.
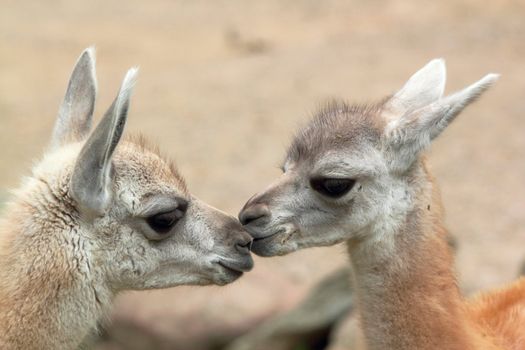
point(44, 267)
point(40, 271)
point(422, 302)
point(387, 208)
point(83, 227)
point(501, 314)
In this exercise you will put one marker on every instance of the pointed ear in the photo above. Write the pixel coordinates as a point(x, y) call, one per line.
point(424, 87)
point(91, 178)
point(75, 114)
point(410, 133)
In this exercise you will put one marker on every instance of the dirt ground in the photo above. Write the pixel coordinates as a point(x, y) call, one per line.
point(223, 84)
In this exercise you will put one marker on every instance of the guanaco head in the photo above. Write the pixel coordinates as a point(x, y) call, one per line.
point(352, 166)
point(120, 210)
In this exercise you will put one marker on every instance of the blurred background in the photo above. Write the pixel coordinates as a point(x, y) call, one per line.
point(223, 85)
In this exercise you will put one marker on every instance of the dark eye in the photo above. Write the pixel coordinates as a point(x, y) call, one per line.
point(333, 188)
point(163, 223)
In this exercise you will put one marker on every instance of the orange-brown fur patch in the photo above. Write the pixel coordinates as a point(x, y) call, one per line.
point(419, 305)
point(501, 313)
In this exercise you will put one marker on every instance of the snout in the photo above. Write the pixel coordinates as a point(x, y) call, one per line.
point(254, 212)
point(236, 258)
point(255, 216)
point(272, 235)
point(241, 260)
point(238, 244)
point(226, 243)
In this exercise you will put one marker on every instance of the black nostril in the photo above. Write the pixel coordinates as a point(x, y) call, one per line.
point(244, 246)
point(253, 213)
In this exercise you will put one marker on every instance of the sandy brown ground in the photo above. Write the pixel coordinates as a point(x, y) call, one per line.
point(223, 84)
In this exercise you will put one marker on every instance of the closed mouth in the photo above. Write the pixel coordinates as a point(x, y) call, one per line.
point(275, 243)
point(266, 237)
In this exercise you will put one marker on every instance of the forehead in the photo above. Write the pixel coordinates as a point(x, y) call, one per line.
point(140, 163)
point(335, 127)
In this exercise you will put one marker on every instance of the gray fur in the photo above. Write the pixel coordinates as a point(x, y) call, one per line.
point(337, 125)
point(424, 87)
point(92, 174)
point(390, 215)
point(60, 269)
point(377, 146)
point(76, 111)
point(413, 131)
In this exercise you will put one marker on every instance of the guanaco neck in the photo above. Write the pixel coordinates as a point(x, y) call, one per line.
point(403, 271)
point(49, 296)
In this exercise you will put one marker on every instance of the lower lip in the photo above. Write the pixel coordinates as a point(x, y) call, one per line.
point(234, 271)
point(264, 247)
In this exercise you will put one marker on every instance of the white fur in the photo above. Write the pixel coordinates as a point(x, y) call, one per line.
point(61, 265)
point(414, 128)
point(383, 195)
point(76, 111)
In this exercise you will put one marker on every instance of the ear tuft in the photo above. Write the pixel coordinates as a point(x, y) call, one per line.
point(478, 88)
point(75, 114)
point(410, 133)
point(128, 83)
point(124, 94)
point(91, 179)
point(424, 87)
point(91, 52)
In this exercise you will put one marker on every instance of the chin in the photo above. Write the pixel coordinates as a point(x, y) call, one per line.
point(172, 277)
point(272, 246)
point(225, 279)
point(163, 284)
point(228, 272)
